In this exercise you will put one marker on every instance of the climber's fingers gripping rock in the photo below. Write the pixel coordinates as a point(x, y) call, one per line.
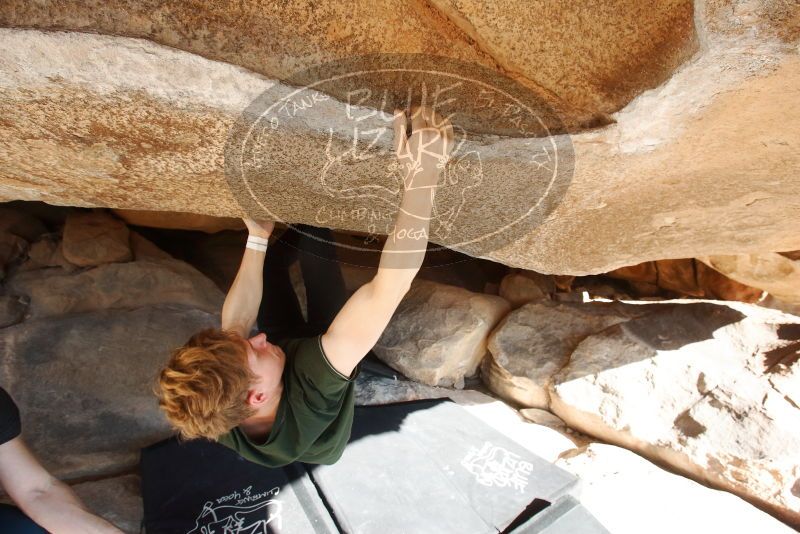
point(426, 151)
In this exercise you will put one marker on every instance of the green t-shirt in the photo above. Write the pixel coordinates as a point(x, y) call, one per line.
point(315, 412)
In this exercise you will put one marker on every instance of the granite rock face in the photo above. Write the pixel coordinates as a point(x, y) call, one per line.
point(623, 45)
point(47, 252)
point(519, 288)
point(693, 277)
point(109, 120)
point(708, 388)
point(628, 495)
point(179, 221)
point(534, 342)
point(95, 238)
point(438, 334)
point(83, 383)
point(116, 285)
point(546, 45)
point(80, 346)
point(777, 274)
point(17, 231)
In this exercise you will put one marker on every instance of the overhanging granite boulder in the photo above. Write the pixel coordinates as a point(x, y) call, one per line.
point(549, 46)
point(142, 126)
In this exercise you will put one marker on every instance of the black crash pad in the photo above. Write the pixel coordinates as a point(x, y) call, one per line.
point(200, 487)
point(426, 466)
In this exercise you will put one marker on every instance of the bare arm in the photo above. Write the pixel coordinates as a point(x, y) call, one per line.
point(240, 310)
point(362, 320)
point(45, 499)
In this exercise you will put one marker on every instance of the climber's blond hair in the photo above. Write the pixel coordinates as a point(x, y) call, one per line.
point(203, 388)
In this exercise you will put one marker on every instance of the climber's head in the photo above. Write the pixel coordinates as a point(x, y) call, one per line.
point(217, 380)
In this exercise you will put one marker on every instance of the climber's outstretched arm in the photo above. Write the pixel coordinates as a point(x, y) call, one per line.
point(240, 310)
point(362, 320)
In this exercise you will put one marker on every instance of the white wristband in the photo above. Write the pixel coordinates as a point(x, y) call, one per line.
point(256, 246)
point(257, 240)
point(257, 243)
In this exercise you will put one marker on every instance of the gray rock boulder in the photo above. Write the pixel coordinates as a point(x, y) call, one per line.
point(47, 252)
point(12, 309)
point(438, 334)
point(372, 390)
point(519, 288)
point(534, 342)
point(83, 383)
point(94, 238)
point(708, 388)
point(116, 285)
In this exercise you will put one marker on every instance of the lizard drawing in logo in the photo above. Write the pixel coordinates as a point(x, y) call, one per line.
point(462, 172)
point(229, 519)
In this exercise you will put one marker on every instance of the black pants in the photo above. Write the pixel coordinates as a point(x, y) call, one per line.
point(13, 521)
point(279, 315)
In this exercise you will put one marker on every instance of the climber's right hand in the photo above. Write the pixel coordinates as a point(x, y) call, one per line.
point(426, 151)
